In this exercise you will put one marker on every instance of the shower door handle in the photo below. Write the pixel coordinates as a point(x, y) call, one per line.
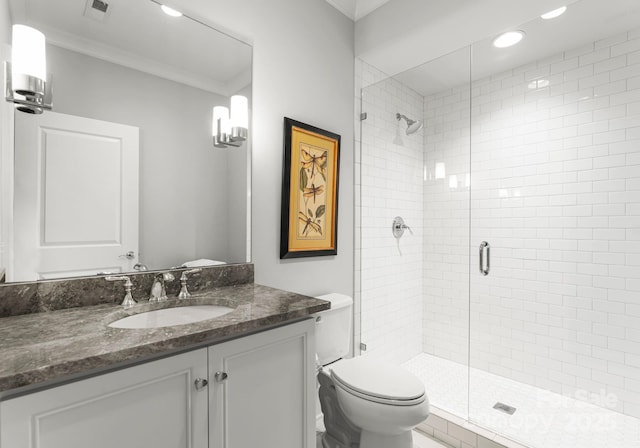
point(485, 247)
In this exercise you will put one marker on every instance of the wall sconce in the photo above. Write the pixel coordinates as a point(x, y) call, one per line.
point(231, 129)
point(26, 82)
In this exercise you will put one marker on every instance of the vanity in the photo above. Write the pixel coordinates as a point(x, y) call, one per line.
point(244, 379)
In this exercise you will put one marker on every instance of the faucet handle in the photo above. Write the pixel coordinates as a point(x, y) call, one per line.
point(115, 278)
point(190, 271)
point(184, 293)
point(128, 301)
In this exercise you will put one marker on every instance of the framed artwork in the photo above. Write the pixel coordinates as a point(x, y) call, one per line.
point(309, 220)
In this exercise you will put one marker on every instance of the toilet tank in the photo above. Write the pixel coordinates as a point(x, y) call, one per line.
point(333, 328)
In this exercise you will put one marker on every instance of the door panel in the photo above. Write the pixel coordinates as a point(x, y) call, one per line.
point(151, 405)
point(95, 208)
point(268, 382)
point(76, 196)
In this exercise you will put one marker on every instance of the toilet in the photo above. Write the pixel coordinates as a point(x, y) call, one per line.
point(365, 402)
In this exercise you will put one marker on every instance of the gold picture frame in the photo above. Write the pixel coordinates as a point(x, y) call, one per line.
point(309, 218)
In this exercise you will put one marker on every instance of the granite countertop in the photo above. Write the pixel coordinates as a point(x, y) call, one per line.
point(36, 349)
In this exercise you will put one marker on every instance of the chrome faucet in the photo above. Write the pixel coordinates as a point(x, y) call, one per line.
point(184, 294)
point(158, 291)
point(128, 300)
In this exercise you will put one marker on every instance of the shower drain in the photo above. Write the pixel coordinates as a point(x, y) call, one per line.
point(504, 408)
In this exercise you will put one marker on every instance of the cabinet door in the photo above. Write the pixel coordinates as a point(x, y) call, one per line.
point(149, 405)
point(268, 397)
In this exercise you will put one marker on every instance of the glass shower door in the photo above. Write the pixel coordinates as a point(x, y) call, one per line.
point(446, 230)
point(555, 194)
point(414, 289)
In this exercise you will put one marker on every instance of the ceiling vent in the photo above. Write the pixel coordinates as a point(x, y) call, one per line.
point(100, 6)
point(97, 10)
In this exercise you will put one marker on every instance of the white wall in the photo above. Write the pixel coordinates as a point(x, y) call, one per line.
point(183, 179)
point(555, 189)
point(390, 182)
point(303, 69)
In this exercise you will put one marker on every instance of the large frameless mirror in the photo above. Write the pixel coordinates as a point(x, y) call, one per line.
point(122, 175)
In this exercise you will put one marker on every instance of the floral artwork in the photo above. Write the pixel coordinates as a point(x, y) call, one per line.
point(310, 186)
point(312, 203)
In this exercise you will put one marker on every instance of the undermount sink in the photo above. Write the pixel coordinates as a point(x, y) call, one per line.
point(172, 316)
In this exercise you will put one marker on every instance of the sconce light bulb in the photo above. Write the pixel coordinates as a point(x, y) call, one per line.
point(28, 54)
point(239, 112)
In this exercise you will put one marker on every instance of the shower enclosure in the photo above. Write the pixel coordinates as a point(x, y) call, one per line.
point(516, 295)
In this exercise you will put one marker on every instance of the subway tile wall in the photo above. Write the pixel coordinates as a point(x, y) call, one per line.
point(390, 185)
point(555, 189)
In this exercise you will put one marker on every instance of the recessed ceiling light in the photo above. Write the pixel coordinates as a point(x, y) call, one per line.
point(170, 11)
point(508, 39)
point(555, 13)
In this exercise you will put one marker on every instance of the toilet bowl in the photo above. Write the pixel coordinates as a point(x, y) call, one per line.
point(364, 401)
point(386, 402)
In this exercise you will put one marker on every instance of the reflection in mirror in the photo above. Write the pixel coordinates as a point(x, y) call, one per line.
point(123, 175)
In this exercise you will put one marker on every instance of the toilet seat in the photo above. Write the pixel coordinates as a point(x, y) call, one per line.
point(378, 382)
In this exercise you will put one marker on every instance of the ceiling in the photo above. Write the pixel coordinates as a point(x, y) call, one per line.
point(134, 25)
point(356, 9)
point(584, 22)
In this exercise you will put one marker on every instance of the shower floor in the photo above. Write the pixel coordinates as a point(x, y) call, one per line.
point(542, 419)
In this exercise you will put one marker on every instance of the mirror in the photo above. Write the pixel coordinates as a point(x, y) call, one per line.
point(128, 77)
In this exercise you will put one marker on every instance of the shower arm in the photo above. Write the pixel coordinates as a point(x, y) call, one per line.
point(407, 119)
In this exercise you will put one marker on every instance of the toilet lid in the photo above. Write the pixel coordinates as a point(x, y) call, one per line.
point(378, 380)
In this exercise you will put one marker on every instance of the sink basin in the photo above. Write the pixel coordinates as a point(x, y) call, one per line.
point(172, 316)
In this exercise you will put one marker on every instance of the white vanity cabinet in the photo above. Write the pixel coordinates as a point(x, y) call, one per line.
point(149, 405)
point(267, 400)
point(262, 390)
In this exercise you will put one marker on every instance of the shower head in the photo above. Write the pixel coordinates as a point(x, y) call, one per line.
point(413, 126)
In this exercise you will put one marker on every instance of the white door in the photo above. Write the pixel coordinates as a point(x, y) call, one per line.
point(76, 196)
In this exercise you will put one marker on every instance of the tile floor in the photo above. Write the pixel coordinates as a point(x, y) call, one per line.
point(422, 441)
point(419, 441)
point(542, 420)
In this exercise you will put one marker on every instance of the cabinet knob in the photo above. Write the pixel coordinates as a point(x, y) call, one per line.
point(200, 383)
point(221, 376)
